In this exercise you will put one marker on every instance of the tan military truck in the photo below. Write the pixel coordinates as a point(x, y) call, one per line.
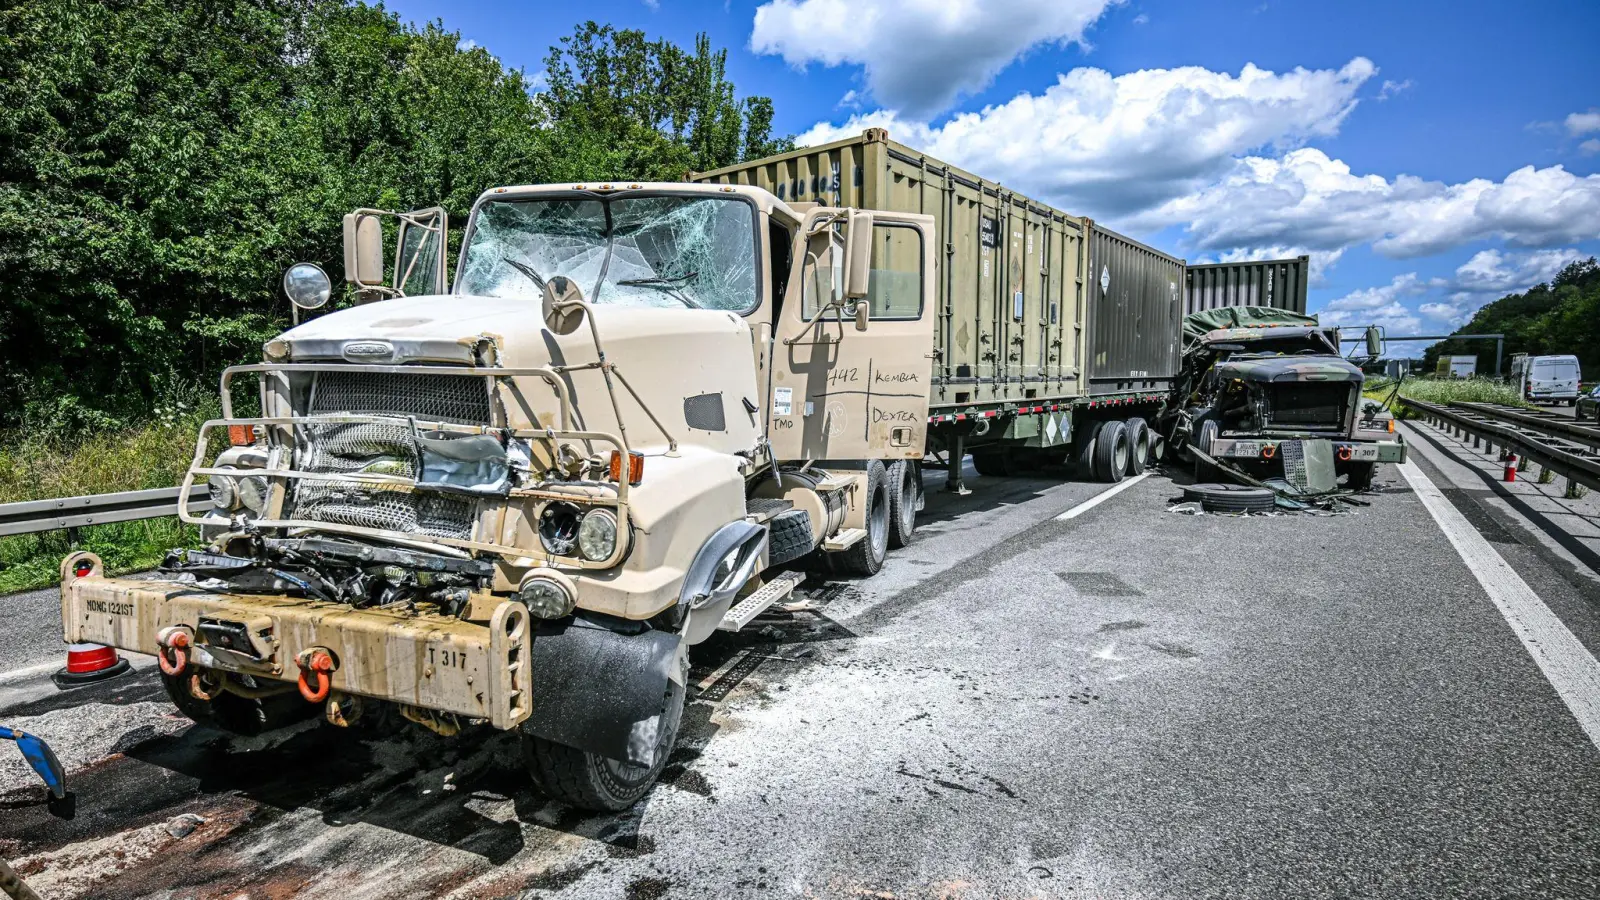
point(519, 501)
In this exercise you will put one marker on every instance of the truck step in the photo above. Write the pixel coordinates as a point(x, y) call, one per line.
point(845, 539)
point(774, 591)
point(763, 509)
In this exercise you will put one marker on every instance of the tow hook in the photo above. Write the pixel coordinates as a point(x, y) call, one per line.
point(316, 662)
point(172, 649)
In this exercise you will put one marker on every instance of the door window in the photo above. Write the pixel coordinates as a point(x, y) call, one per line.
point(894, 290)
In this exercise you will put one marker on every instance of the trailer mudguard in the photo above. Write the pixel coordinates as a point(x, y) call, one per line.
point(599, 688)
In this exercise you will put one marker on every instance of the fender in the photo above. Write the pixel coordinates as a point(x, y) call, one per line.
point(708, 589)
point(599, 685)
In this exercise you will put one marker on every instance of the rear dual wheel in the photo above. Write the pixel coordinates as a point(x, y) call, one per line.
point(905, 496)
point(865, 557)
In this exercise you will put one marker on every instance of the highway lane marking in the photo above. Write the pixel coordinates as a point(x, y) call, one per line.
point(25, 672)
point(1568, 665)
point(1100, 498)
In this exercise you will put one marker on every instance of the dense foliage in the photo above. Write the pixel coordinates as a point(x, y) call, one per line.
point(162, 162)
point(1556, 318)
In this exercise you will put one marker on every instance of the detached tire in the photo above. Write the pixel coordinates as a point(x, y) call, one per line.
point(587, 780)
point(866, 556)
point(1205, 435)
point(905, 495)
point(1084, 449)
point(1111, 452)
point(1138, 444)
point(236, 714)
point(1230, 498)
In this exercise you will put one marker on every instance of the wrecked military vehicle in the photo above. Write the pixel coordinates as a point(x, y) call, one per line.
point(517, 501)
point(1254, 378)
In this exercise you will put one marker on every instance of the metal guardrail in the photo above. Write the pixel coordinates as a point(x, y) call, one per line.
point(34, 516)
point(1556, 443)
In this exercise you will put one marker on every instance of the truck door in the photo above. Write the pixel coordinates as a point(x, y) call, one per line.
point(837, 392)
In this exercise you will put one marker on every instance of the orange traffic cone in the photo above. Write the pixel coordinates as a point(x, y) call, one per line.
point(88, 663)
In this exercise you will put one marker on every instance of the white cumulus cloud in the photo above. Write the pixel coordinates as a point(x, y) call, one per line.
point(1584, 122)
point(1307, 198)
point(1109, 146)
point(1378, 306)
point(919, 55)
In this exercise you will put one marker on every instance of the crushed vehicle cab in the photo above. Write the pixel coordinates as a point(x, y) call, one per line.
point(1255, 377)
point(517, 501)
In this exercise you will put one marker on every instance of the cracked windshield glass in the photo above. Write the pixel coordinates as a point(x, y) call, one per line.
point(686, 251)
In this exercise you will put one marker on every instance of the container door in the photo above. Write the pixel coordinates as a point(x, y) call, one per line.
point(841, 393)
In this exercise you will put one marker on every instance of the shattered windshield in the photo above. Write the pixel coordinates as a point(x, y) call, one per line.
point(684, 251)
point(1309, 344)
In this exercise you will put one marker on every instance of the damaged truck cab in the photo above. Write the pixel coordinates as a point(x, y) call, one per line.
point(517, 500)
point(1255, 378)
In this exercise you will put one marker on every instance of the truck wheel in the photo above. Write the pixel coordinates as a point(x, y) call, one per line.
point(905, 492)
point(865, 557)
point(1204, 437)
point(1360, 476)
point(587, 780)
point(995, 463)
point(1138, 444)
point(236, 714)
point(1111, 452)
point(1084, 450)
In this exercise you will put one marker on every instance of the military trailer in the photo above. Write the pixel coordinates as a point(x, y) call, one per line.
point(513, 494)
point(1256, 378)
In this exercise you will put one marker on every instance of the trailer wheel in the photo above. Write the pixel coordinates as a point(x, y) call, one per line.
point(1359, 477)
point(587, 780)
point(865, 557)
point(905, 494)
point(994, 463)
point(1138, 444)
point(236, 714)
point(1111, 452)
point(1085, 450)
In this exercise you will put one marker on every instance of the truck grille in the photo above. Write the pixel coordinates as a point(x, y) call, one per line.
point(382, 449)
point(1308, 405)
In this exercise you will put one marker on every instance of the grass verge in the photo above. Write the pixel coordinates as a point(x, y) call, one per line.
point(1442, 391)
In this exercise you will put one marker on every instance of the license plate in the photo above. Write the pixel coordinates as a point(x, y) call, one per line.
point(1368, 452)
point(1245, 448)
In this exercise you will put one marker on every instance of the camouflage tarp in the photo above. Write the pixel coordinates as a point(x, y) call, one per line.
point(1196, 325)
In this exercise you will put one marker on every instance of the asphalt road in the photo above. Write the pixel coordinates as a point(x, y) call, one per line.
point(1130, 703)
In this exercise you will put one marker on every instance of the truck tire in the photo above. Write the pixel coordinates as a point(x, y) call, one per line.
point(1084, 450)
point(865, 557)
point(1230, 498)
point(587, 780)
point(994, 463)
point(1138, 444)
point(1205, 434)
point(1111, 452)
point(905, 495)
point(1359, 476)
point(788, 537)
point(236, 714)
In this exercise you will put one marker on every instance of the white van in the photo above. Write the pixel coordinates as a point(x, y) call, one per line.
point(1547, 379)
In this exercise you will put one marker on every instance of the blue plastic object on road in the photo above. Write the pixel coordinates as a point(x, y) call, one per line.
point(41, 757)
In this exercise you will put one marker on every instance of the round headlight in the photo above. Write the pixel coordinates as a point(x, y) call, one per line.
point(545, 598)
point(252, 493)
point(597, 535)
point(558, 528)
point(224, 492)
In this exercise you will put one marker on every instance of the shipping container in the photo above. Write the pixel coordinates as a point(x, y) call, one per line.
point(1013, 297)
point(1134, 315)
point(1278, 283)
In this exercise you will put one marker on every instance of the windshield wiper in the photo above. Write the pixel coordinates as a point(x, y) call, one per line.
point(525, 269)
point(671, 286)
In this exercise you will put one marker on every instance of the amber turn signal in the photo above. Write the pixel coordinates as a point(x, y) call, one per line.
point(635, 467)
point(241, 435)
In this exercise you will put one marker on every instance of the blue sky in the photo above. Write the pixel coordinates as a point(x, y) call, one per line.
point(1430, 156)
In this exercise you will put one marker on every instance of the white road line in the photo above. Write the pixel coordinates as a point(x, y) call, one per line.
point(1100, 498)
point(1569, 666)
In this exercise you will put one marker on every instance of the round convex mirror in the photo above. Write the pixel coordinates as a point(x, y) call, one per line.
point(307, 285)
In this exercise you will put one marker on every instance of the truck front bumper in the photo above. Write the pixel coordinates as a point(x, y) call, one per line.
point(431, 662)
point(1360, 451)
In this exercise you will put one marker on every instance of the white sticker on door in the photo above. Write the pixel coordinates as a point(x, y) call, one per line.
point(782, 401)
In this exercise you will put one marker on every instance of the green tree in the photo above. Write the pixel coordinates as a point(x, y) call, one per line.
point(1561, 317)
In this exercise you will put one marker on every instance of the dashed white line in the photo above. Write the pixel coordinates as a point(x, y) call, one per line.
point(1568, 665)
point(1100, 498)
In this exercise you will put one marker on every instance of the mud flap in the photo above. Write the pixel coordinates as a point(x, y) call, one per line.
point(601, 690)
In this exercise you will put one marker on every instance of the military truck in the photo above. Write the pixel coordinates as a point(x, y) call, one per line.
point(515, 497)
point(1256, 377)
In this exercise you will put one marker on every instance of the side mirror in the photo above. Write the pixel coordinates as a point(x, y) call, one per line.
point(861, 314)
point(562, 305)
point(858, 255)
point(1374, 341)
point(363, 250)
point(307, 286)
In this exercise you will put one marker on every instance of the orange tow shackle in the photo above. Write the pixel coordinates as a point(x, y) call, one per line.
point(172, 652)
point(317, 663)
point(1344, 454)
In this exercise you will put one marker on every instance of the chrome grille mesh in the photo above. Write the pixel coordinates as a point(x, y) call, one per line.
point(382, 449)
